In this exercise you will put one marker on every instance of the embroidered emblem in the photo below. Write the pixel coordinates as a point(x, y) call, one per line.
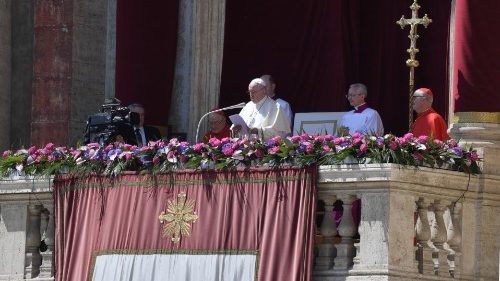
point(179, 216)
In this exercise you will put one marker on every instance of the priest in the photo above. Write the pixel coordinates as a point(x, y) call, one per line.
point(428, 122)
point(362, 119)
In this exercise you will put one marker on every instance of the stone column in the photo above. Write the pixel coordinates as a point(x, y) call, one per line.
point(52, 63)
point(199, 63)
point(5, 70)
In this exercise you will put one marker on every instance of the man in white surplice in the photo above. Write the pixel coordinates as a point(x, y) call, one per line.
point(262, 114)
point(270, 88)
point(362, 119)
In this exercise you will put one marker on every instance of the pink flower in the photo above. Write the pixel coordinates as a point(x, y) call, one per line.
point(156, 160)
point(276, 139)
point(214, 142)
point(356, 135)
point(363, 148)
point(393, 145)
point(326, 148)
point(183, 158)
point(473, 156)
point(328, 137)
point(49, 146)
point(225, 140)
point(108, 147)
point(319, 138)
point(338, 141)
point(259, 153)
point(31, 150)
point(408, 136)
point(127, 146)
point(93, 145)
point(418, 156)
point(204, 155)
point(304, 137)
point(273, 150)
point(128, 156)
point(452, 143)
point(198, 146)
point(438, 142)
point(7, 153)
point(309, 148)
point(295, 139)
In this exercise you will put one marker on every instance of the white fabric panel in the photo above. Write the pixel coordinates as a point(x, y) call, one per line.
point(156, 267)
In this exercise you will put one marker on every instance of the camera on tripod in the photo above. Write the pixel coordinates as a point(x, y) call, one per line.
point(113, 120)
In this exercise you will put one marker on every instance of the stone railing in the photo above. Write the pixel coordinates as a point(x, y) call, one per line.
point(26, 229)
point(416, 224)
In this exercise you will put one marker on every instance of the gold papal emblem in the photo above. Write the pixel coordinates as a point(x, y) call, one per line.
point(179, 216)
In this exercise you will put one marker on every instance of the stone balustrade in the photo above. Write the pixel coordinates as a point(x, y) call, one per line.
point(26, 229)
point(416, 224)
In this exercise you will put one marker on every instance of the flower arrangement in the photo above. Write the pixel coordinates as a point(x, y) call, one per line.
point(298, 150)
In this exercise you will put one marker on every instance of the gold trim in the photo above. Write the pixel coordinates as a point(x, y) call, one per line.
point(477, 117)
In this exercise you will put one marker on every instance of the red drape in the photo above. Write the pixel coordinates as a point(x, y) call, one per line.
point(269, 211)
point(315, 49)
point(146, 42)
point(476, 69)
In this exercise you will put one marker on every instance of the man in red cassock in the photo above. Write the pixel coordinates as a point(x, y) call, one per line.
point(219, 128)
point(428, 121)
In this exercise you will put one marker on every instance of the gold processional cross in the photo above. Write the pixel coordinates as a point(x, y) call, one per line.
point(179, 216)
point(414, 21)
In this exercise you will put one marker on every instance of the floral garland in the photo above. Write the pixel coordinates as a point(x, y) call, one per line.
point(298, 150)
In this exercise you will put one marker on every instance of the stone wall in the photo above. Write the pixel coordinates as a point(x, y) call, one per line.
point(5, 72)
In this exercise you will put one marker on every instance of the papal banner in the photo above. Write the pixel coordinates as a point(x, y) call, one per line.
point(242, 224)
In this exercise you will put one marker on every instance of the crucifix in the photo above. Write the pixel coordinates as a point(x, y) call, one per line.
point(414, 21)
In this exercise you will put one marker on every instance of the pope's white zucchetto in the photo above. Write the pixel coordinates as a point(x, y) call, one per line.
point(258, 81)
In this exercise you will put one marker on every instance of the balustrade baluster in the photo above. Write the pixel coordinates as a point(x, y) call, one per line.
point(47, 232)
point(328, 229)
point(438, 233)
point(454, 238)
point(33, 258)
point(346, 229)
point(423, 234)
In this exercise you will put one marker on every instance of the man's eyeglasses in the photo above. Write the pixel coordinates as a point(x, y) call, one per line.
point(418, 96)
point(351, 95)
point(255, 91)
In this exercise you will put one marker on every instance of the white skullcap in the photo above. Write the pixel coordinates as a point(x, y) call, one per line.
point(258, 81)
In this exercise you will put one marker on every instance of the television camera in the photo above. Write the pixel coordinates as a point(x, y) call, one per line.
point(113, 120)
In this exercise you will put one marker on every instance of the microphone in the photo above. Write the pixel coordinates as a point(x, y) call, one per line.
point(239, 105)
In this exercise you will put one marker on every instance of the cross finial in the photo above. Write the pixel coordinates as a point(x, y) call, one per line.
point(413, 22)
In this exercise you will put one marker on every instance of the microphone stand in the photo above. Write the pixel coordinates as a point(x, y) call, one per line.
point(239, 105)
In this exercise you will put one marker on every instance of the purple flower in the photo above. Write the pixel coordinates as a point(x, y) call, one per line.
point(227, 149)
point(423, 139)
point(458, 151)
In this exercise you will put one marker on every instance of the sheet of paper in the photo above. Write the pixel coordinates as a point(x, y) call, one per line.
point(237, 120)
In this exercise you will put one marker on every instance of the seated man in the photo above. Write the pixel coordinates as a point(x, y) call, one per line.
point(362, 119)
point(271, 86)
point(143, 133)
point(428, 122)
point(262, 114)
point(218, 126)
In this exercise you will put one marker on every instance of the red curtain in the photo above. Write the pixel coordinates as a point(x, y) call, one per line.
point(269, 211)
point(476, 67)
point(146, 42)
point(315, 49)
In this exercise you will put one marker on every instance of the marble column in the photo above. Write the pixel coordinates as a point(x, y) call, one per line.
point(5, 69)
point(198, 65)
